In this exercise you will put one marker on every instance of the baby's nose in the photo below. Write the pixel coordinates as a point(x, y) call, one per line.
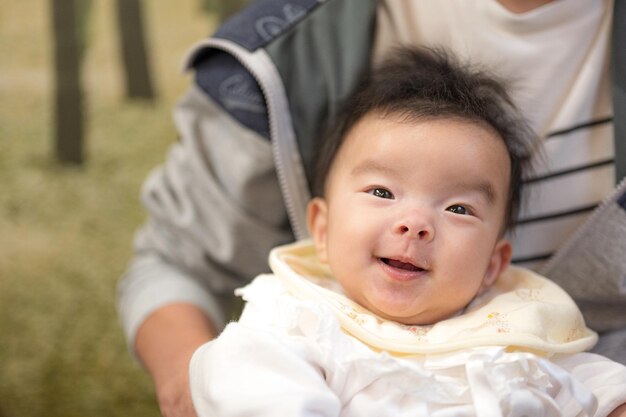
point(415, 228)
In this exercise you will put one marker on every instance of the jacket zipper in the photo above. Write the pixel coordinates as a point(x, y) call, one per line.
point(289, 166)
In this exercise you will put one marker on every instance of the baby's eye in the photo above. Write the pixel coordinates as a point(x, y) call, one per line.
point(458, 209)
point(381, 193)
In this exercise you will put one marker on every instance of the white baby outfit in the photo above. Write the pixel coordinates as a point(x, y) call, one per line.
point(301, 348)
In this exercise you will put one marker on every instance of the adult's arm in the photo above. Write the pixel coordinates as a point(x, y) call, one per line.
point(164, 343)
point(215, 211)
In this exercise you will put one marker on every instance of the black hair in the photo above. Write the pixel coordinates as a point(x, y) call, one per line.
point(421, 83)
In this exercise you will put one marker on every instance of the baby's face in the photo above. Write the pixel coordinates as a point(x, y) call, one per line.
point(411, 221)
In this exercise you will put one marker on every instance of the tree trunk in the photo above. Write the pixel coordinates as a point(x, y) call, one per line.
point(223, 8)
point(68, 101)
point(230, 7)
point(134, 51)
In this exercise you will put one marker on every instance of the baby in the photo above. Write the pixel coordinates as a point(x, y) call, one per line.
point(404, 302)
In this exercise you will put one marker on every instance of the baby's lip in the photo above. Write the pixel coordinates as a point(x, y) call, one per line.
point(405, 264)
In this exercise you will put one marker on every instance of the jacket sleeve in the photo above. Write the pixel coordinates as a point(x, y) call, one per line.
point(250, 372)
point(215, 210)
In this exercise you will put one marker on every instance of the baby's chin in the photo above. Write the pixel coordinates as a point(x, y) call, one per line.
point(401, 308)
point(424, 318)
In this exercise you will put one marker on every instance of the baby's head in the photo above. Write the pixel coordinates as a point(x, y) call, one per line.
point(416, 184)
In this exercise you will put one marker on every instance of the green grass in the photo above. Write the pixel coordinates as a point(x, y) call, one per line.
point(66, 231)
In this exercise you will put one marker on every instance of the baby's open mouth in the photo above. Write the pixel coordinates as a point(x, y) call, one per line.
point(401, 265)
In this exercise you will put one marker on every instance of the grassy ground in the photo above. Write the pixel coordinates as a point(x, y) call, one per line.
point(65, 232)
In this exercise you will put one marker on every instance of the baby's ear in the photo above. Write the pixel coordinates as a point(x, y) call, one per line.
point(317, 220)
point(500, 259)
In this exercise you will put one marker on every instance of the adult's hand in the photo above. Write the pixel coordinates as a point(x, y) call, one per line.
point(165, 343)
point(619, 411)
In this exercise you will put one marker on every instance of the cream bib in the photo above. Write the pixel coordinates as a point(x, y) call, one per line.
point(521, 310)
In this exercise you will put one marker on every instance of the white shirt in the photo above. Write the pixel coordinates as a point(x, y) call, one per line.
point(292, 354)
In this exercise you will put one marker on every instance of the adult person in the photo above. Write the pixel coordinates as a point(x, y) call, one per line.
point(270, 77)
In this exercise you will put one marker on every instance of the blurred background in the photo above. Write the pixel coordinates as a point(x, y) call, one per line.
point(86, 93)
